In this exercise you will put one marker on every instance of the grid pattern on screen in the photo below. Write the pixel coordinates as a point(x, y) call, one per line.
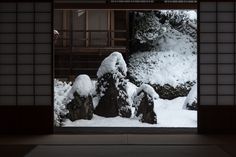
point(217, 57)
point(25, 53)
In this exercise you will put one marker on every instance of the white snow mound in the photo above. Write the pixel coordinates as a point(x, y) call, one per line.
point(191, 97)
point(82, 85)
point(112, 64)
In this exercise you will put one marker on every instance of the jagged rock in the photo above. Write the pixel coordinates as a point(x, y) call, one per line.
point(80, 108)
point(144, 104)
point(169, 92)
point(81, 104)
point(111, 88)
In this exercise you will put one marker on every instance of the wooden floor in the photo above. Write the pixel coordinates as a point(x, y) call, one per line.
point(224, 144)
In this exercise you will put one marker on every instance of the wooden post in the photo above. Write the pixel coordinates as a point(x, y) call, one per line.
point(64, 27)
point(86, 28)
point(127, 35)
point(112, 28)
point(108, 28)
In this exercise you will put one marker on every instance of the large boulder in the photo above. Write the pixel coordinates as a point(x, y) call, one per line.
point(80, 108)
point(191, 100)
point(81, 104)
point(111, 88)
point(144, 104)
point(169, 92)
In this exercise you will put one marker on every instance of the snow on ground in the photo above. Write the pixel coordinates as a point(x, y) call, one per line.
point(169, 114)
point(166, 67)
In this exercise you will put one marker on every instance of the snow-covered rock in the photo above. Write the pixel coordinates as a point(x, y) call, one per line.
point(111, 88)
point(81, 107)
point(82, 85)
point(144, 104)
point(114, 63)
point(191, 100)
point(81, 104)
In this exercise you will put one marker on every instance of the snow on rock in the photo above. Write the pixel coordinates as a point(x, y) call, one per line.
point(112, 64)
point(61, 90)
point(144, 104)
point(149, 90)
point(113, 97)
point(81, 107)
point(81, 104)
point(83, 86)
point(131, 91)
point(111, 87)
point(191, 100)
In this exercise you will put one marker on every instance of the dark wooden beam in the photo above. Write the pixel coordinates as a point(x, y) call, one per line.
point(126, 6)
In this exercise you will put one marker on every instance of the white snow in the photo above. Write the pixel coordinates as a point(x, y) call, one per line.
point(61, 90)
point(191, 14)
point(82, 85)
point(112, 64)
point(192, 96)
point(131, 91)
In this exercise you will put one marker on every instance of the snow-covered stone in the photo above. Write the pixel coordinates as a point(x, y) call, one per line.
point(114, 63)
point(144, 104)
point(111, 88)
point(82, 85)
point(191, 100)
point(81, 104)
point(81, 107)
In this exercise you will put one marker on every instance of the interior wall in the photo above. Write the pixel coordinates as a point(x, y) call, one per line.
point(217, 65)
point(26, 99)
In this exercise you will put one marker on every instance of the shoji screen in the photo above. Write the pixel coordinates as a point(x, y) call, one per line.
point(26, 84)
point(217, 61)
